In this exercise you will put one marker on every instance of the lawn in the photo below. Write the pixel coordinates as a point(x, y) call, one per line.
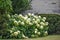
point(50, 37)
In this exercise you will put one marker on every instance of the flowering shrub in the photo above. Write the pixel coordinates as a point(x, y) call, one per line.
point(27, 26)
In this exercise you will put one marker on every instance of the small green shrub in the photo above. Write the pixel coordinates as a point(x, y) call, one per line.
point(20, 5)
point(5, 8)
point(54, 22)
point(27, 26)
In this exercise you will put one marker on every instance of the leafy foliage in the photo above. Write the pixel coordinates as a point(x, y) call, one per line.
point(20, 5)
point(54, 23)
point(5, 8)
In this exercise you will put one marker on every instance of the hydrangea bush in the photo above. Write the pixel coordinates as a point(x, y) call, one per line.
point(26, 26)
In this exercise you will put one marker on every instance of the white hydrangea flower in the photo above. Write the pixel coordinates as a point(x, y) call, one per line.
point(19, 21)
point(36, 17)
point(35, 31)
point(30, 23)
point(32, 14)
point(35, 22)
point(42, 23)
point(8, 15)
point(33, 19)
point(32, 36)
point(7, 24)
point(13, 28)
point(37, 25)
point(15, 14)
point(13, 19)
point(39, 16)
point(25, 17)
point(38, 20)
point(16, 33)
point(20, 14)
point(44, 18)
point(26, 37)
point(41, 27)
point(38, 33)
point(22, 23)
point(46, 23)
point(23, 35)
point(28, 19)
point(15, 22)
point(29, 14)
point(10, 31)
point(46, 32)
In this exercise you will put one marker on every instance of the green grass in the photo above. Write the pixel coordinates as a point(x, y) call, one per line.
point(50, 37)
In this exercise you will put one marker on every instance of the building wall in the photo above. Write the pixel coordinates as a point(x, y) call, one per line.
point(45, 6)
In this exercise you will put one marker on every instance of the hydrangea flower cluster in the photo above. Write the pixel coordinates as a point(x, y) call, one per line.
point(27, 26)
